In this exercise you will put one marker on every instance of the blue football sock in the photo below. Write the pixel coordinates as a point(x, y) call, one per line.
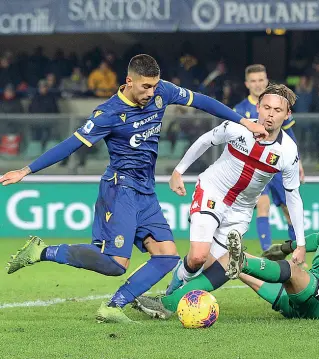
point(143, 279)
point(291, 232)
point(86, 256)
point(264, 234)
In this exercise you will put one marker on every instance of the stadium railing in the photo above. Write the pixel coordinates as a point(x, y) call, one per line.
point(24, 137)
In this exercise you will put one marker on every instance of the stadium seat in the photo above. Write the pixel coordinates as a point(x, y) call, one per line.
point(164, 148)
point(50, 144)
point(180, 148)
point(33, 149)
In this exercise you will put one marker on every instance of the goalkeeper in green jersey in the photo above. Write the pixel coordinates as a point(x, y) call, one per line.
point(290, 289)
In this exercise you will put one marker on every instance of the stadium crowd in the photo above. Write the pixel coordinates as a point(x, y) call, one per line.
point(99, 72)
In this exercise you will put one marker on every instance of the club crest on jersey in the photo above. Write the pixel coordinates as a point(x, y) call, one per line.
point(247, 114)
point(158, 101)
point(123, 117)
point(119, 241)
point(211, 204)
point(272, 159)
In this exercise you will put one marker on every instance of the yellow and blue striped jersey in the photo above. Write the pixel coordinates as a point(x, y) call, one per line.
point(131, 134)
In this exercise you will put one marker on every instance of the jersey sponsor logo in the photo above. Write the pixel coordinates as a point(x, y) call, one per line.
point(296, 160)
point(211, 204)
point(272, 158)
point(88, 127)
point(182, 91)
point(242, 140)
point(158, 101)
point(108, 216)
point(123, 117)
point(119, 241)
point(137, 139)
point(140, 123)
point(240, 144)
point(97, 113)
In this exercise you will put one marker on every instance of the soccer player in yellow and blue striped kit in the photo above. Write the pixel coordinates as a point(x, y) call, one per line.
point(127, 210)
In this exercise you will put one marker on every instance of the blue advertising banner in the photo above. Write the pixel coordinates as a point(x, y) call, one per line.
point(61, 16)
point(27, 17)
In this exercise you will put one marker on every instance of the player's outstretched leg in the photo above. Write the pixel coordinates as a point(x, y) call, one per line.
point(29, 254)
point(163, 307)
point(176, 282)
point(236, 255)
point(86, 256)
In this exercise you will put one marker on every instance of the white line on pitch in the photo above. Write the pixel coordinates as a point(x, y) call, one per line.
point(46, 303)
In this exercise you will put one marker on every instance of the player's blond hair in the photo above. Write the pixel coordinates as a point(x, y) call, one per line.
point(251, 69)
point(280, 90)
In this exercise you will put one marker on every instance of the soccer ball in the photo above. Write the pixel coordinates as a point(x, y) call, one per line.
point(198, 309)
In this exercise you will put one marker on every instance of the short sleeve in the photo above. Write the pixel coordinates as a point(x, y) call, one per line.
point(96, 128)
point(177, 95)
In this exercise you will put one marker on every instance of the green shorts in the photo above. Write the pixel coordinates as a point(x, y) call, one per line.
point(304, 304)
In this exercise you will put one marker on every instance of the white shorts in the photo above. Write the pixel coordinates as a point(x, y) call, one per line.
point(211, 220)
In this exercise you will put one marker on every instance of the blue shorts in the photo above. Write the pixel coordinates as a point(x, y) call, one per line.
point(276, 187)
point(123, 217)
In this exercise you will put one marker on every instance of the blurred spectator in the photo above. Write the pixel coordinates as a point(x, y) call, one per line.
point(52, 84)
point(43, 101)
point(73, 60)
point(10, 103)
point(59, 66)
point(299, 61)
point(7, 74)
point(188, 72)
point(91, 60)
point(304, 92)
point(229, 95)
point(103, 81)
point(36, 67)
point(213, 83)
point(116, 65)
point(75, 85)
point(10, 139)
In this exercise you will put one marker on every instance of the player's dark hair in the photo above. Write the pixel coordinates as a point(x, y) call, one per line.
point(280, 90)
point(144, 65)
point(254, 69)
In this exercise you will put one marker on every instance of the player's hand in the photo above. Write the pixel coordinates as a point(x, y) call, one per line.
point(257, 129)
point(14, 176)
point(299, 255)
point(176, 184)
point(301, 173)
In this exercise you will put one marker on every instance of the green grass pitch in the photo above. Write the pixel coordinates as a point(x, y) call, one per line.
point(247, 327)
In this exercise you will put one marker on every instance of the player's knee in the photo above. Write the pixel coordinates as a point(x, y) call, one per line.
point(196, 259)
point(285, 271)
